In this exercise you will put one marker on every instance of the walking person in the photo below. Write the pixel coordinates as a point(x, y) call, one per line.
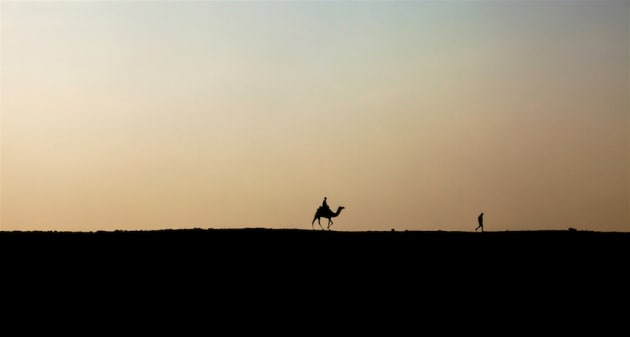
point(480, 221)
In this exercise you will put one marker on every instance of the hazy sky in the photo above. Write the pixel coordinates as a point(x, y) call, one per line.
point(413, 115)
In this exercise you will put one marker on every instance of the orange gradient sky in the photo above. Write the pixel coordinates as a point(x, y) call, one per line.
point(413, 115)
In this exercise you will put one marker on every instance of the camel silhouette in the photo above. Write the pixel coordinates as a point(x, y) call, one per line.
point(325, 213)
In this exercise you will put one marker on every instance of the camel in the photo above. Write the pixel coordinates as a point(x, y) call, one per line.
point(325, 213)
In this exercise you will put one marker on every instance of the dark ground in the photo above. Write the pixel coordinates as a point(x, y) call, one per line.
point(316, 275)
point(294, 251)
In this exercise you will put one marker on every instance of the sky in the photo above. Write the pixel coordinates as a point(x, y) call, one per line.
point(413, 115)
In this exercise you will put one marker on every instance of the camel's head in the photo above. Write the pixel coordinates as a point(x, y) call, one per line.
point(341, 207)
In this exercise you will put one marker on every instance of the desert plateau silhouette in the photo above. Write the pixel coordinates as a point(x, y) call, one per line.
point(546, 247)
point(323, 253)
point(260, 266)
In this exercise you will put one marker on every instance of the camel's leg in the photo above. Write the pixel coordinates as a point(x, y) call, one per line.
point(319, 223)
point(313, 222)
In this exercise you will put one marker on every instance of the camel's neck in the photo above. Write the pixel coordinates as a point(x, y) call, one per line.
point(338, 211)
